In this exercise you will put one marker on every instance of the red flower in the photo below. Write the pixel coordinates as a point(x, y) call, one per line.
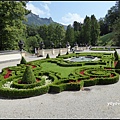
point(8, 74)
point(82, 72)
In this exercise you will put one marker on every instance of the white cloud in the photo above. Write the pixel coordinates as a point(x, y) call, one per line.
point(44, 11)
point(48, 2)
point(47, 9)
point(70, 18)
point(34, 9)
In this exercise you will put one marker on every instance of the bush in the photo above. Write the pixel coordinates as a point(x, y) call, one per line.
point(28, 76)
point(23, 61)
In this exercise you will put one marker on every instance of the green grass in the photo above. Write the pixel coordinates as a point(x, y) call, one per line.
point(64, 71)
point(106, 40)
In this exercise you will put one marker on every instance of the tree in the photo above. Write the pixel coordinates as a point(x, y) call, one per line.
point(43, 33)
point(77, 36)
point(31, 30)
point(77, 29)
point(95, 30)
point(32, 42)
point(77, 26)
point(51, 34)
point(104, 28)
point(116, 31)
point(60, 35)
point(87, 30)
point(11, 27)
point(69, 36)
point(113, 14)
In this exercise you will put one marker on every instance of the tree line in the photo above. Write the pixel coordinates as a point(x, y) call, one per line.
point(12, 29)
point(111, 23)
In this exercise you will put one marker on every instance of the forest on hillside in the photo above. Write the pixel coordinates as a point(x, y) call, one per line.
point(13, 29)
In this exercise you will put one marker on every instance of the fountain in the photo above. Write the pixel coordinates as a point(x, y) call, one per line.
point(82, 58)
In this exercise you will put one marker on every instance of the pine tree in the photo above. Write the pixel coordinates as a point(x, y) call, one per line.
point(69, 36)
point(95, 30)
point(86, 30)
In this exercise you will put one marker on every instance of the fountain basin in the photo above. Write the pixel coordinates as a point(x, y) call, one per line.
point(82, 58)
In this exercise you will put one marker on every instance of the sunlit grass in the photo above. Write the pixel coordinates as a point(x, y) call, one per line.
point(106, 39)
point(64, 71)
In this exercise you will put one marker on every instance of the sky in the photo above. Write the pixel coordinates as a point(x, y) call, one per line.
point(66, 12)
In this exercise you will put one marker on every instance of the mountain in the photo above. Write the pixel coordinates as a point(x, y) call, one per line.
point(36, 20)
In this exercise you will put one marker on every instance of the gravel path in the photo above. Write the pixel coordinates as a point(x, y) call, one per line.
point(100, 101)
point(92, 102)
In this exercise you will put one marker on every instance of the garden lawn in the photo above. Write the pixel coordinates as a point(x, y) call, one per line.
point(64, 71)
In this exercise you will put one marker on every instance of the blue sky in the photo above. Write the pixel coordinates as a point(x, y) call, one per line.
point(66, 12)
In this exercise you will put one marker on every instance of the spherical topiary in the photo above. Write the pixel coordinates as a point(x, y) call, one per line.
point(47, 56)
point(28, 76)
point(23, 61)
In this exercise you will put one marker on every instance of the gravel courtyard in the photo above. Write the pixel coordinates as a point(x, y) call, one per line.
point(92, 102)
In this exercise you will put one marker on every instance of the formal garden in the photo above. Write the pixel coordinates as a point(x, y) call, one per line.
point(54, 75)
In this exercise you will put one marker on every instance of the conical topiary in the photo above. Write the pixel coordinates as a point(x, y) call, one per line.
point(47, 56)
point(117, 65)
point(28, 76)
point(67, 53)
point(58, 54)
point(23, 61)
point(116, 55)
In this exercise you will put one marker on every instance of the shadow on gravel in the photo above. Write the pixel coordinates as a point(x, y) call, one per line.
point(86, 89)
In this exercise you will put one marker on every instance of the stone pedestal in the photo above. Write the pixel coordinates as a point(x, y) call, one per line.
point(22, 53)
point(53, 51)
point(60, 51)
point(76, 47)
point(41, 54)
point(68, 48)
point(36, 51)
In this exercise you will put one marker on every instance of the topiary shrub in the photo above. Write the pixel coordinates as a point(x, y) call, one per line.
point(58, 54)
point(47, 56)
point(116, 55)
point(117, 65)
point(28, 76)
point(67, 53)
point(23, 61)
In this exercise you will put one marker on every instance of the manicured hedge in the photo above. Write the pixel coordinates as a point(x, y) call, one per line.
point(16, 84)
point(23, 93)
point(64, 86)
point(86, 73)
